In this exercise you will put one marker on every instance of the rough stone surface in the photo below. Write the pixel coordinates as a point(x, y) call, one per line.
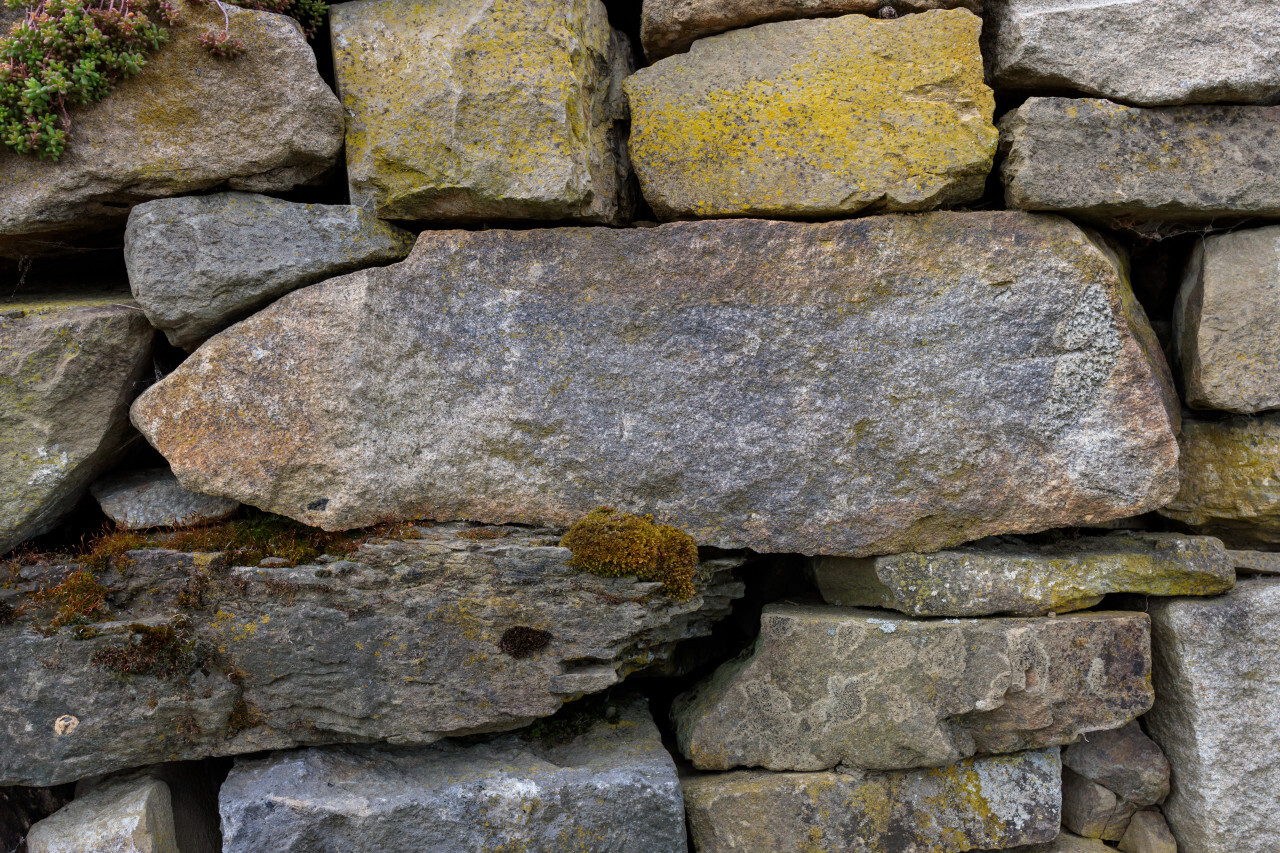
point(132, 816)
point(142, 499)
point(1067, 842)
point(484, 109)
point(1148, 833)
point(1026, 579)
point(1092, 811)
point(1124, 166)
point(68, 371)
point(406, 640)
point(993, 802)
point(1144, 52)
point(1227, 322)
point(1123, 760)
point(612, 788)
point(865, 688)
point(199, 263)
point(759, 122)
point(781, 386)
point(1217, 714)
point(1256, 562)
point(189, 121)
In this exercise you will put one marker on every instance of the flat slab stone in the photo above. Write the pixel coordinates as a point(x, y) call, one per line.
point(1025, 579)
point(826, 686)
point(1124, 166)
point(780, 386)
point(1256, 562)
point(139, 500)
point(613, 788)
point(816, 118)
point(1217, 715)
point(994, 802)
point(134, 816)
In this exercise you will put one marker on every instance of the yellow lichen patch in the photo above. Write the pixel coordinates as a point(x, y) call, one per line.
point(618, 544)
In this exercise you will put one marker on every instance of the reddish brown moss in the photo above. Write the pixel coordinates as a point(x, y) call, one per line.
point(521, 640)
point(615, 544)
point(244, 716)
point(165, 651)
point(77, 600)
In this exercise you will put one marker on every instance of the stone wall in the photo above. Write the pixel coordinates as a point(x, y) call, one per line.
point(947, 330)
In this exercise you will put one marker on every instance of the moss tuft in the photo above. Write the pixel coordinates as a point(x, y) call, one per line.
point(614, 544)
point(165, 651)
point(244, 716)
point(7, 613)
point(77, 600)
point(521, 640)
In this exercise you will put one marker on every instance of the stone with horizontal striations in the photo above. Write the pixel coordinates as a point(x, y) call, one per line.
point(125, 816)
point(861, 387)
point(816, 118)
point(1027, 579)
point(138, 500)
point(826, 686)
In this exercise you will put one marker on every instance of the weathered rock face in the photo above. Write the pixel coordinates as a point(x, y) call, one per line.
point(406, 641)
point(1120, 165)
point(1123, 760)
point(142, 499)
point(1091, 810)
point(1067, 842)
point(132, 816)
point(199, 263)
point(1256, 562)
point(1025, 579)
point(1217, 712)
point(189, 121)
point(484, 109)
point(780, 386)
point(994, 802)
point(612, 788)
point(68, 371)
point(1145, 53)
point(1228, 322)
point(1148, 833)
point(865, 688)
point(801, 118)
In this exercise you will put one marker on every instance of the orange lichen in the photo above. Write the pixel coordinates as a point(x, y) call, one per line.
point(614, 544)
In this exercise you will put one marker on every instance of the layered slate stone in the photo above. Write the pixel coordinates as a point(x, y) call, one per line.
point(187, 122)
point(130, 816)
point(982, 803)
point(484, 109)
point(826, 686)
point(1028, 579)
point(1145, 53)
point(612, 787)
point(1217, 714)
point(816, 118)
point(68, 370)
point(1124, 165)
point(458, 631)
point(199, 263)
point(138, 500)
point(860, 387)
point(1227, 321)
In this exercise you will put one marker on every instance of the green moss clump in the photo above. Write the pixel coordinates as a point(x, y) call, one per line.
point(77, 600)
point(617, 544)
point(165, 651)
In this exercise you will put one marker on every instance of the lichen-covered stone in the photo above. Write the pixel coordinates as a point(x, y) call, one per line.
point(128, 816)
point(68, 371)
point(1256, 562)
point(994, 802)
point(816, 118)
point(138, 500)
point(611, 788)
point(189, 121)
point(484, 109)
point(780, 386)
point(199, 263)
point(826, 686)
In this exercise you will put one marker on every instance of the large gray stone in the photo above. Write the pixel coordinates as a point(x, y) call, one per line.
point(861, 387)
point(68, 371)
point(189, 121)
point(826, 686)
point(1127, 166)
point(1217, 715)
point(1145, 52)
point(1025, 579)
point(612, 788)
point(198, 264)
point(407, 640)
point(138, 500)
point(994, 802)
point(127, 816)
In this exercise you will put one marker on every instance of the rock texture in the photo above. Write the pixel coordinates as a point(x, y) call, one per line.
point(1123, 760)
point(123, 817)
point(189, 121)
point(68, 371)
point(198, 264)
point(407, 640)
point(1123, 166)
point(21, 808)
point(484, 109)
point(612, 788)
point(1148, 833)
point(779, 386)
point(1217, 712)
point(1227, 322)
point(1091, 810)
point(864, 688)
point(143, 499)
point(1256, 562)
point(816, 118)
point(1027, 579)
point(995, 802)
point(1067, 842)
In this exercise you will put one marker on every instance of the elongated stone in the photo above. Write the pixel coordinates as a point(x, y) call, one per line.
point(861, 387)
point(128, 816)
point(826, 686)
point(1025, 579)
point(139, 500)
point(1068, 842)
point(1256, 562)
point(816, 118)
